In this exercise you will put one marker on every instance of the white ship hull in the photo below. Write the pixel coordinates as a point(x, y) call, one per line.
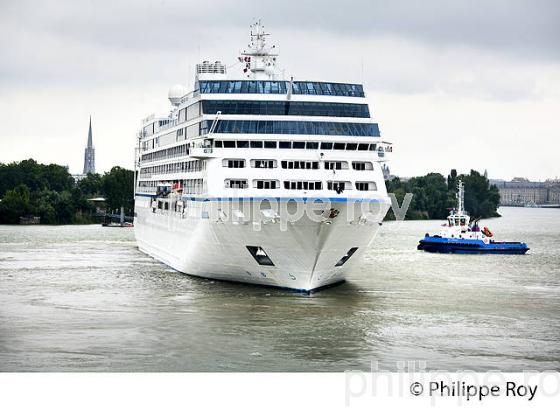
point(204, 169)
point(304, 253)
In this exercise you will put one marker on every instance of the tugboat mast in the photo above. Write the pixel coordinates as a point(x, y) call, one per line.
point(461, 198)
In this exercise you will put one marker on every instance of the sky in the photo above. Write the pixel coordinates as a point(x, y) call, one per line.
point(453, 84)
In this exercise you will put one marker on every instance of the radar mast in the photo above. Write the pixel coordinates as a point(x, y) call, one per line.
point(461, 198)
point(260, 61)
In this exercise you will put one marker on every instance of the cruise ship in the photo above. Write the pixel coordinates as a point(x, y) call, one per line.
point(261, 178)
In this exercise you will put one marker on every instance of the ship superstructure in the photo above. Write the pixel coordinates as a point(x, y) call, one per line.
point(257, 178)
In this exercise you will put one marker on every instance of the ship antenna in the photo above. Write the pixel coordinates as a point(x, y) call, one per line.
point(260, 61)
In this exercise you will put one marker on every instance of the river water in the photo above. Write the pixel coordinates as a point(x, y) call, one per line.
point(83, 298)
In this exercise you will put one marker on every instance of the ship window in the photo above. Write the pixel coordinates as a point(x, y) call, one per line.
point(280, 87)
point(312, 145)
point(242, 144)
point(270, 144)
point(236, 183)
point(193, 131)
point(366, 186)
point(298, 144)
point(285, 144)
point(300, 164)
point(326, 145)
point(303, 185)
point(372, 147)
point(256, 144)
point(218, 144)
point(339, 145)
point(266, 184)
point(260, 255)
point(362, 166)
point(193, 111)
point(234, 163)
point(338, 186)
point(363, 147)
point(293, 127)
point(345, 258)
point(351, 146)
point(229, 144)
point(336, 165)
point(263, 163)
point(182, 115)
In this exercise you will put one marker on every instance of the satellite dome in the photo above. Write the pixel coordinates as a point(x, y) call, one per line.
point(176, 93)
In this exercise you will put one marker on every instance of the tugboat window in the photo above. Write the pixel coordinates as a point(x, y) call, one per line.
point(260, 255)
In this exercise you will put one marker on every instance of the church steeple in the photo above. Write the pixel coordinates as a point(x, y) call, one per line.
point(89, 154)
point(90, 136)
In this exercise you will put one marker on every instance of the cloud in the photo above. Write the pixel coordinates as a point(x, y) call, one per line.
point(63, 60)
point(523, 28)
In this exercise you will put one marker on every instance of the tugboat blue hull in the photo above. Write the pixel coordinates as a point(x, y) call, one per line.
point(470, 246)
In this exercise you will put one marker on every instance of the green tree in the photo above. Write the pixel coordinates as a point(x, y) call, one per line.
point(15, 203)
point(433, 195)
point(49, 192)
point(56, 177)
point(91, 185)
point(64, 207)
point(44, 207)
point(481, 199)
point(118, 189)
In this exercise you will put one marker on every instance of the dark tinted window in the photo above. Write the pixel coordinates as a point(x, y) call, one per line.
point(324, 109)
point(280, 87)
point(297, 127)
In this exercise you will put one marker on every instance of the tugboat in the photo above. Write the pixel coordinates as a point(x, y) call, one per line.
point(461, 235)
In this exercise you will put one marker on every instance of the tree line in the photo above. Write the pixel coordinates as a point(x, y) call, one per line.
point(50, 192)
point(434, 195)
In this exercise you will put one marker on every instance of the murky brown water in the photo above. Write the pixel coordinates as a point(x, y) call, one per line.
point(83, 298)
